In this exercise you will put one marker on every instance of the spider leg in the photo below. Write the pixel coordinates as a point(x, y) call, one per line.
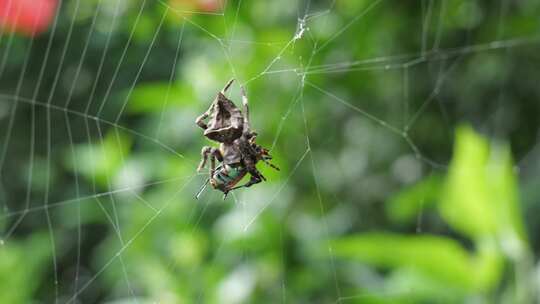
point(256, 177)
point(270, 164)
point(247, 126)
point(212, 165)
point(214, 153)
point(204, 155)
point(227, 86)
point(265, 157)
point(202, 188)
point(252, 170)
point(253, 137)
point(200, 120)
point(254, 180)
point(217, 154)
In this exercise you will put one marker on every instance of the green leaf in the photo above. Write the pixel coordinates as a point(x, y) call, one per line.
point(480, 194)
point(441, 259)
point(405, 205)
point(466, 202)
point(503, 185)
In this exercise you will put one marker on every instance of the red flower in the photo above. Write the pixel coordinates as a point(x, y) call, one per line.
point(209, 5)
point(27, 17)
point(186, 6)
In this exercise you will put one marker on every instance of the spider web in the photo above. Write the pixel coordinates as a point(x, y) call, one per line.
point(315, 52)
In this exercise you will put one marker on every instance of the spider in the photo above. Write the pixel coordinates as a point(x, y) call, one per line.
point(238, 153)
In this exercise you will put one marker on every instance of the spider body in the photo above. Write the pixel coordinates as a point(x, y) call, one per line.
point(226, 120)
point(237, 154)
point(237, 160)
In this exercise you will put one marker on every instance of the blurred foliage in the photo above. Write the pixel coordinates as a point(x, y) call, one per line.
point(479, 199)
point(23, 267)
point(384, 195)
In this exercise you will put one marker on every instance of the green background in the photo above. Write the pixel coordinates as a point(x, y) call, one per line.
point(406, 133)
